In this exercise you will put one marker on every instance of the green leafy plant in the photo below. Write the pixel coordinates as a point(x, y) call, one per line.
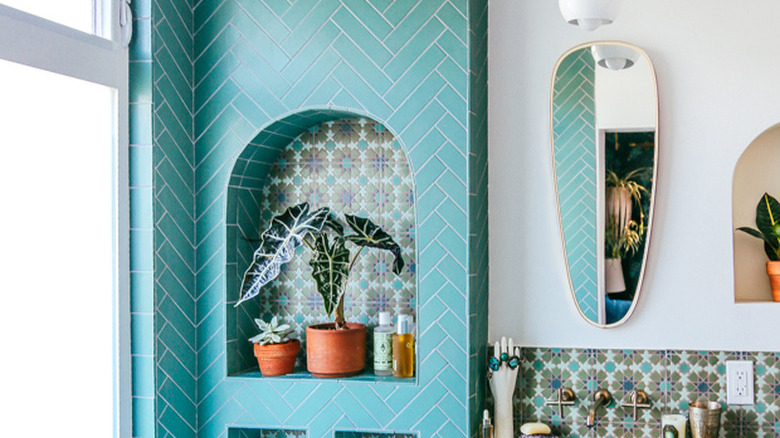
point(271, 332)
point(623, 235)
point(324, 234)
point(768, 223)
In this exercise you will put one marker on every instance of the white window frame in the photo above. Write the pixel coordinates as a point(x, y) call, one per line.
point(36, 42)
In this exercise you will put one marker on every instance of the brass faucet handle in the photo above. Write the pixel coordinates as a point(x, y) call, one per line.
point(565, 397)
point(602, 397)
point(638, 399)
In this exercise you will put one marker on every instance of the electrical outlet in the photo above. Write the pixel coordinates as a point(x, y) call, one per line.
point(739, 381)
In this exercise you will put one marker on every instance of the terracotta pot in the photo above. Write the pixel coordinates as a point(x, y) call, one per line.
point(277, 359)
point(335, 353)
point(613, 276)
point(773, 269)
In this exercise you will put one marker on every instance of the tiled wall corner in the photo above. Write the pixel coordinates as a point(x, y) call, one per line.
point(174, 252)
point(671, 378)
point(141, 223)
point(478, 200)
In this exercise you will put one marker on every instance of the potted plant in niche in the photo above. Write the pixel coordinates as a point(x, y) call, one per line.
point(275, 351)
point(622, 235)
point(334, 349)
point(768, 223)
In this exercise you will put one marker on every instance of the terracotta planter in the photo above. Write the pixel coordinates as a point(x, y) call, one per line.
point(613, 276)
point(335, 353)
point(277, 359)
point(773, 269)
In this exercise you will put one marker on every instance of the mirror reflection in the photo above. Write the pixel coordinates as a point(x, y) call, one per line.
point(604, 140)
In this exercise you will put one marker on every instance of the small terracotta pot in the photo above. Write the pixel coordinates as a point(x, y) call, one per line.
point(773, 269)
point(277, 359)
point(335, 353)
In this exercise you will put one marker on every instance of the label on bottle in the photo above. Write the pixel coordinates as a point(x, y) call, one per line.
point(383, 351)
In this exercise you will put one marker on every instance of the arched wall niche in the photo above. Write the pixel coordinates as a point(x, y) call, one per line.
point(755, 174)
point(340, 159)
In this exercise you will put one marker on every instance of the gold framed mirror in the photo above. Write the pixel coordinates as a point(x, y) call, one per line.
point(604, 139)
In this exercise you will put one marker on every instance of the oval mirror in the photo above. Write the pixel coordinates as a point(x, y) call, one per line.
point(604, 123)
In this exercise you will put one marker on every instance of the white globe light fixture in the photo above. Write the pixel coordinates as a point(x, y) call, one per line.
point(614, 57)
point(589, 14)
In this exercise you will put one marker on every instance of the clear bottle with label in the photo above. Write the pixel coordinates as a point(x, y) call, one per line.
point(403, 347)
point(383, 345)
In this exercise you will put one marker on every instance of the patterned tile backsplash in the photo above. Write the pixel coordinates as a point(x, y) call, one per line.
point(671, 378)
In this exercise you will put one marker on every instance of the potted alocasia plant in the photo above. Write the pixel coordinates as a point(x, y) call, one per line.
point(334, 349)
point(275, 350)
point(768, 224)
point(623, 235)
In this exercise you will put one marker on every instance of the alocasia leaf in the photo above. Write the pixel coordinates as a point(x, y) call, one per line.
point(286, 232)
point(371, 235)
point(330, 269)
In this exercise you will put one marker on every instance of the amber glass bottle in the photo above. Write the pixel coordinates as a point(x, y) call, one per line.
point(403, 347)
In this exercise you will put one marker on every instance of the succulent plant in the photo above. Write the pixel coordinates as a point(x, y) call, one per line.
point(271, 332)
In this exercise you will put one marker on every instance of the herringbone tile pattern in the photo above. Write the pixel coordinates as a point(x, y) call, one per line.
point(225, 70)
point(575, 167)
point(478, 217)
point(174, 222)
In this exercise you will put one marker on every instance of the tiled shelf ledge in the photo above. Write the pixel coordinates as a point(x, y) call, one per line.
point(300, 374)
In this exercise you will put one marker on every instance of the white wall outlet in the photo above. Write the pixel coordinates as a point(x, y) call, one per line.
point(739, 381)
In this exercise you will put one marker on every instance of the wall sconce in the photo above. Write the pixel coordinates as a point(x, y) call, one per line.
point(589, 14)
point(614, 57)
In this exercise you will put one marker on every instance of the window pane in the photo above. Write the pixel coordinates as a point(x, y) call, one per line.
point(78, 14)
point(57, 259)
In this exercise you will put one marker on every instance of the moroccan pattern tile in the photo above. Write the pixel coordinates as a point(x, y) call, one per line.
point(672, 380)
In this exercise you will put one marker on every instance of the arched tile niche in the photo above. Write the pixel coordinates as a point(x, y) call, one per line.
point(338, 159)
point(754, 174)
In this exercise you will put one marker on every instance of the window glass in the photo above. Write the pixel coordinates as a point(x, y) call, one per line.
point(57, 263)
point(78, 14)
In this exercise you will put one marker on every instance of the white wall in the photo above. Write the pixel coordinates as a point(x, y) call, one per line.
point(717, 65)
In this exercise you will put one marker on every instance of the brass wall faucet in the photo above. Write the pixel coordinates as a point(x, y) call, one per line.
point(602, 397)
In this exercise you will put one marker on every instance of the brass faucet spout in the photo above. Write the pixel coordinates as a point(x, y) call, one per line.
point(602, 397)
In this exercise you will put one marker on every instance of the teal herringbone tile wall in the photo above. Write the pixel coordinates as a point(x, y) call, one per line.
point(575, 167)
point(223, 70)
point(175, 341)
point(478, 218)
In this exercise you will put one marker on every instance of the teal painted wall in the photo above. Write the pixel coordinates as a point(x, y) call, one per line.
point(222, 71)
point(574, 107)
